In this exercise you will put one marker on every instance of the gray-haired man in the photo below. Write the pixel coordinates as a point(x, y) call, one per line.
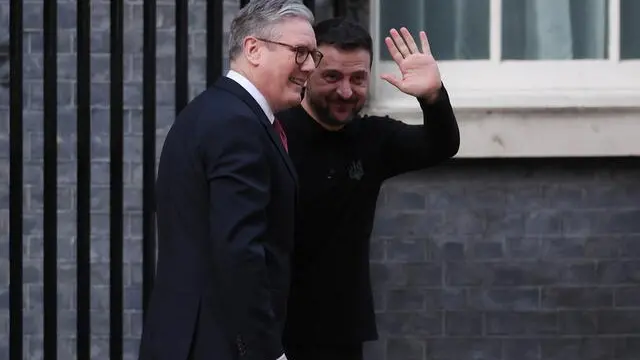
point(225, 199)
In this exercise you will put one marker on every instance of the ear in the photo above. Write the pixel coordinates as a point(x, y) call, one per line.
point(252, 50)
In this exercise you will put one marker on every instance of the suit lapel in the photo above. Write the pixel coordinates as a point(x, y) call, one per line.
point(235, 88)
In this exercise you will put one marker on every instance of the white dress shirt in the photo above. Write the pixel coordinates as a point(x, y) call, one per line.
point(253, 90)
point(257, 95)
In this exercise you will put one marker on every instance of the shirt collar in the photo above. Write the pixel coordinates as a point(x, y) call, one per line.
point(253, 90)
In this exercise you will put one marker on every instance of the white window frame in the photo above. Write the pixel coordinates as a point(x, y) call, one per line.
point(535, 84)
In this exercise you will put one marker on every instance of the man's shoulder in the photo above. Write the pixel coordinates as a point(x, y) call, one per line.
point(218, 99)
point(214, 116)
point(374, 118)
point(215, 105)
point(290, 114)
point(373, 123)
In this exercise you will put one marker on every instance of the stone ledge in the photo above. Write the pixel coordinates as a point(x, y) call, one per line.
point(561, 132)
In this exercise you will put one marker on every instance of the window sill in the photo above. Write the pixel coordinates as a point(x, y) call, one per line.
point(536, 131)
point(529, 84)
point(524, 99)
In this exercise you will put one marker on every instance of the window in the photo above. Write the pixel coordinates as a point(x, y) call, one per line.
point(520, 53)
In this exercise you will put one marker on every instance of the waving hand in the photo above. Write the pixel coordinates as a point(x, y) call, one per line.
point(420, 73)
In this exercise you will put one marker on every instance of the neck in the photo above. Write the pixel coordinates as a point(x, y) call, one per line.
point(309, 109)
point(240, 70)
point(251, 76)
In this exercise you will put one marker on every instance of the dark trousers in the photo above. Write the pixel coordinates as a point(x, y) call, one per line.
point(324, 352)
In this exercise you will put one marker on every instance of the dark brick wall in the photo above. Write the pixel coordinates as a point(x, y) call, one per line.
point(509, 260)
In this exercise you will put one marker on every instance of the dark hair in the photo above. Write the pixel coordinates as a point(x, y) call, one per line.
point(343, 34)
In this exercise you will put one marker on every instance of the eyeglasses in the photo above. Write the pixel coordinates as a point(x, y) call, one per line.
point(302, 52)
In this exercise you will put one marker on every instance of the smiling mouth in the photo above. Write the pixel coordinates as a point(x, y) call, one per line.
point(297, 81)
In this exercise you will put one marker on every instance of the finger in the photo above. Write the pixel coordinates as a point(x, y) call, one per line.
point(393, 50)
point(426, 48)
point(408, 39)
point(400, 44)
point(391, 80)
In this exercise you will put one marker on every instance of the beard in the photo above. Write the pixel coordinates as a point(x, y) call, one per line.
point(322, 110)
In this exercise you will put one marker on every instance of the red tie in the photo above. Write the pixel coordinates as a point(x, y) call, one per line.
point(280, 130)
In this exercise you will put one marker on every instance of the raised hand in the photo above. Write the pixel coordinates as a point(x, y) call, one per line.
point(420, 73)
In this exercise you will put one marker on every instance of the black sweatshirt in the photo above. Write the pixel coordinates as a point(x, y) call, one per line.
point(340, 175)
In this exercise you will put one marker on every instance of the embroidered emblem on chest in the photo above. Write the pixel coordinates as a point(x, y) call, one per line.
point(356, 172)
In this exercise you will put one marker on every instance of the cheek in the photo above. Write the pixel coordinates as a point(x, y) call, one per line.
point(281, 66)
point(361, 93)
point(315, 84)
point(319, 91)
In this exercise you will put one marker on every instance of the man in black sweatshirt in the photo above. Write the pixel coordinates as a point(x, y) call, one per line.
point(342, 159)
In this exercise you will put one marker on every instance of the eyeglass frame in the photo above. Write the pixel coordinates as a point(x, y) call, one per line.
point(296, 50)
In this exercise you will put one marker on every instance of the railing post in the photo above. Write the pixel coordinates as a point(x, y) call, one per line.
point(148, 150)
point(182, 55)
point(50, 223)
point(15, 181)
point(214, 40)
point(83, 172)
point(116, 181)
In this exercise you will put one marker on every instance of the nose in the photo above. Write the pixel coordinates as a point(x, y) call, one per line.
point(309, 65)
point(344, 89)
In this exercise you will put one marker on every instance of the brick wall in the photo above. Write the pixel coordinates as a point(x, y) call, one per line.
point(479, 258)
point(511, 260)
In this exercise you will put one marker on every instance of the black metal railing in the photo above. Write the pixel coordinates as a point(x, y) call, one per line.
point(214, 68)
point(50, 182)
point(149, 145)
point(83, 186)
point(116, 133)
point(16, 143)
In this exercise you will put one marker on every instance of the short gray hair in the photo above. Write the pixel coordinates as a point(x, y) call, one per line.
point(258, 17)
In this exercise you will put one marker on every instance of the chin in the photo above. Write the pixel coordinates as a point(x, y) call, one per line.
point(341, 118)
point(294, 100)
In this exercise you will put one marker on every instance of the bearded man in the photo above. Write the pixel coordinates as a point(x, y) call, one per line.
point(342, 158)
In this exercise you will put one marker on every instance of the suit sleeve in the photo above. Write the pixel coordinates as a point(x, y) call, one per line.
point(412, 147)
point(239, 188)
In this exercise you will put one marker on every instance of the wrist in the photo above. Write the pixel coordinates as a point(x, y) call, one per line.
point(432, 96)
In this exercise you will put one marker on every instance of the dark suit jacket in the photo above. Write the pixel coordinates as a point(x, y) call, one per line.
point(225, 208)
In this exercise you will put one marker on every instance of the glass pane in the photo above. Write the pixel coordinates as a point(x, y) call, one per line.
point(457, 29)
point(554, 29)
point(630, 29)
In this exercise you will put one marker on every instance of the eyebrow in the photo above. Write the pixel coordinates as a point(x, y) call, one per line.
point(332, 70)
point(299, 43)
point(310, 46)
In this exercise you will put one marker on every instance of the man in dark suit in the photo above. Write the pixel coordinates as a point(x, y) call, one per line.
point(225, 199)
point(342, 158)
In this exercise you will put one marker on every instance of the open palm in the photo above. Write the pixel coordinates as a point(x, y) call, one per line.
point(420, 73)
